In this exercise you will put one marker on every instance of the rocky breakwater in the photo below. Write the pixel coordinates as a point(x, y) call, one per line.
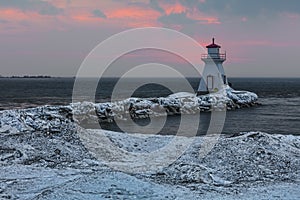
point(179, 103)
point(60, 118)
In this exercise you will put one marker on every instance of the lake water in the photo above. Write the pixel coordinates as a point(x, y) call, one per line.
point(279, 112)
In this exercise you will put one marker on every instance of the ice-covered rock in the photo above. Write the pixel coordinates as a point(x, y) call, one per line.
point(183, 102)
point(48, 119)
point(53, 118)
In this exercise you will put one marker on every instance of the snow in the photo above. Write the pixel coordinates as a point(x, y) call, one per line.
point(39, 164)
point(45, 154)
point(182, 95)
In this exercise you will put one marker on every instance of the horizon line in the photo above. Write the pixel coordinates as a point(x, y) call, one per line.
point(49, 76)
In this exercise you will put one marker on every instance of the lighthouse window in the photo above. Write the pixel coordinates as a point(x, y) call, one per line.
point(210, 82)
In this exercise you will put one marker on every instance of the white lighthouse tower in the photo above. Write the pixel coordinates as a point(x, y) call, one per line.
point(213, 77)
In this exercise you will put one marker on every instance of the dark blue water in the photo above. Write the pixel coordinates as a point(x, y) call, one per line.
point(279, 112)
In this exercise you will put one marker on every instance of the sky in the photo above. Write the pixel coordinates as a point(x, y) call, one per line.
point(53, 37)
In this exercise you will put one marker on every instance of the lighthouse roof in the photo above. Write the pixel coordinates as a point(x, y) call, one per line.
point(213, 45)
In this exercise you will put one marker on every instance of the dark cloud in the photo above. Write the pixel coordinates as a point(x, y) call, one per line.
point(99, 13)
point(176, 18)
point(138, 4)
point(50, 10)
point(155, 5)
point(248, 8)
point(190, 3)
point(42, 7)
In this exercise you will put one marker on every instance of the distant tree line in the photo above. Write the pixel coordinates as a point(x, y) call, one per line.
point(26, 76)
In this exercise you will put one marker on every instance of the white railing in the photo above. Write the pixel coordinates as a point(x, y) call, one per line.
point(221, 56)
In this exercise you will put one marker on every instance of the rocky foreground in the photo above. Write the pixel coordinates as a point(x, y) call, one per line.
point(45, 154)
point(254, 165)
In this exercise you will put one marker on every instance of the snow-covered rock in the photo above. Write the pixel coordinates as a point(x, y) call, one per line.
point(58, 166)
point(47, 119)
point(59, 118)
point(183, 102)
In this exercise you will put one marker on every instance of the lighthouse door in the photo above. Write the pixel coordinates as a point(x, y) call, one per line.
point(224, 79)
point(210, 82)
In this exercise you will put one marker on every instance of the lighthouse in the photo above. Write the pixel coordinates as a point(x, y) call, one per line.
point(213, 77)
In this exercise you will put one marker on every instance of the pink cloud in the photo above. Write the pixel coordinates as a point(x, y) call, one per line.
point(133, 17)
point(87, 17)
point(195, 14)
point(133, 12)
point(118, 14)
point(18, 20)
point(173, 8)
point(16, 15)
point(191, 13)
